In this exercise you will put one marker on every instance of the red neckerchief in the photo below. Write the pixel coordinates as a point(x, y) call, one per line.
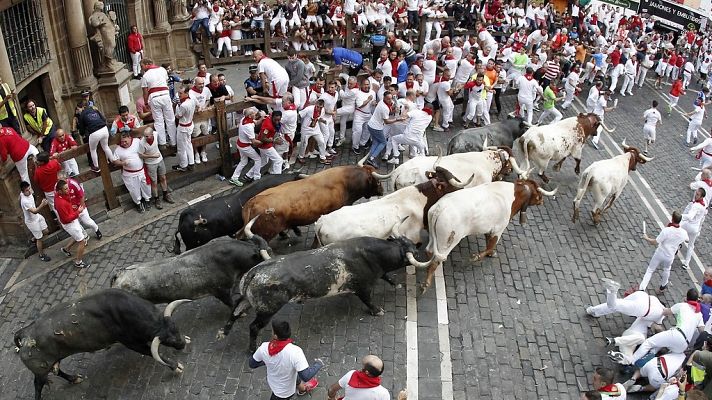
point(481, 30)
point(409, 85)
point(247, 120)
point(471, 62)
point(359, 380)
point(202, 74)
point(450, 57)
point(432, 57)
point(216, 8)
point(381, 62)
point(701, 201)
point(262, 58)
point(529, 77)
point(674, 225)
point(694, 305)
point(275, 346)
point(152, 66)
point(391, 107)
point(150, 140)
point(611, 390)
point(290, 107)
point(316, 113)
point(195, 90)
point(183, 100)
point(707, 181)
point(708, 282)
point(429, 111)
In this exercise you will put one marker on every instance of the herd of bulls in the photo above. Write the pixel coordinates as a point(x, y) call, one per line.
point(449, 197)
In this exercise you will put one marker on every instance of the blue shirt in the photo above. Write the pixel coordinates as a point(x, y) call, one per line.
point(402, 72)
point(255, 84)
point(378, 40)
point(347, 57)
point(598, 58)
point(705, 290)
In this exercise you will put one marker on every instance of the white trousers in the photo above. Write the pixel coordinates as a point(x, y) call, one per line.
point(651, 371)
point(163, 119)
point(628, 84)
point(50, 200)
point(185, 146)
point(317, 135)
point(447, 107)
point(614, 82)
point(136, 63)
point(406, 140)
point(300, 96)
point(96, 138)
point(282, 21)
point(246, 154)
point(642, 73)
point(359, 133)
point(227, 44)
point(693, 231)
point(137, 186)
point(327, 130)
point(271, 154)
point(659, 259)
point(86, 220)
point(692, 130)
point(632, 337)
point(71, 167)
point(529, 107)
point(474, 109)
point(21, 164)
point(552, 112)
point(344, 114)
point(570, 92)
point(672, 339)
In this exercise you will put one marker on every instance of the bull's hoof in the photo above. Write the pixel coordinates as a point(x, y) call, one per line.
point(77, 379)
point(178, 369)
point(557, 167)
point(494, 254)
point(423, 288)
point(378, 313)
point(187, 339)
point(544, 178)
point(577, 171)
point(220, 335)
point(476, 258)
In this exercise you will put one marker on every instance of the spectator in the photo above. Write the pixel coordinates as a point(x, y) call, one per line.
point(124, 122)
point(155, 167)
point(201, 94)
point(133, 173)
point(134, 42)
point(8, 110)
point(61, 143)
point(75, 195)
point(201, 18)
point(19, 150)
point(46, 176)
point(34, 221)
point(39, 124)
point(184, 111)
point(362, 384)
point(92, 124)
point(156, 95)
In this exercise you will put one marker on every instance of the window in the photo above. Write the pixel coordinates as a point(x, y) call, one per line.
point(25, 38)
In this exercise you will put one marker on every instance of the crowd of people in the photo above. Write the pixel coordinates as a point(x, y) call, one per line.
point(391, 101)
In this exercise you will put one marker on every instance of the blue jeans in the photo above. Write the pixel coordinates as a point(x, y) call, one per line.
point(196, 25)
point(378, 142)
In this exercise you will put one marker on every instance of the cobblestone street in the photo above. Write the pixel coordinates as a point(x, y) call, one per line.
point(510, 327)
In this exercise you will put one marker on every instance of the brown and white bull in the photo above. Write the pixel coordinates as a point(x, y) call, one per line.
point(376, 218)
point(485, 209)
point(491, 164)
point(541, 144)
point(607, 178)
point(302, 202)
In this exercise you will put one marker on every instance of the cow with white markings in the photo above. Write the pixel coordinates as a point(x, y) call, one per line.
point(376, 218)
point(607, 178)
point(542, 144)
point(485, 209)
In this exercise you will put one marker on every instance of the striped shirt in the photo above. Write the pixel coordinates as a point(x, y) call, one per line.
point(552, 70)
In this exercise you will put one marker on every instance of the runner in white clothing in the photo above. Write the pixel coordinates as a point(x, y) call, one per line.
point(275, 79)
point(155, 93)
point(668, 241)
point(414, 133)
point(652, 118)
point(184, 111)
point(704, 153)
point(245, 141)
point(134, 175)
point(528, 90)
point(692, 218)
point(696, 116)
point(364, 384)
point(34, 221)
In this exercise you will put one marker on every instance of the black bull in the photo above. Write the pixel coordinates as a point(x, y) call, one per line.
point(348, 266)
point(93, 323)
point(500, 134)
point(210, 219)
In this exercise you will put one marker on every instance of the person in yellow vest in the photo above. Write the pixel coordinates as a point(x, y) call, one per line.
point(39, 124)
point(8, 112)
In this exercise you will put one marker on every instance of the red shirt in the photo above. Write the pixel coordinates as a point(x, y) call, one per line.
point(676, 89)
point(680, 61)
point(65, 211)
point(76, 192)
point(690, 37)
point(267, 125)
point(46, 175)
point(615, 57)
point(12, 144)
point(58, 147)
point(134, 42)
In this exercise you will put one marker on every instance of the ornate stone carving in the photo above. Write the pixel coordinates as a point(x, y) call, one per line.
point(179, 11)
point(105, 32)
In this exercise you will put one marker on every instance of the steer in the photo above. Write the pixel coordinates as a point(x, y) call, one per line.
point(93, 323)
point(295, 204)
point(222, 216)
point(375, 218)
point(488, 165)
point(485, 209)
point(557, 141)
point(607, 177)
point(500, 134)
point(212, 269)
point(349, 266)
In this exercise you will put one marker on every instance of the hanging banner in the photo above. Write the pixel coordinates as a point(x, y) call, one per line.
point(671, 15)
point(629, 4)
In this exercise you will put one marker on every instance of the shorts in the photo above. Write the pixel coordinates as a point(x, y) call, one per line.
point(435, 104)
point(75, 230)
point(156, 170)
point(649, 132)
point(37, 227)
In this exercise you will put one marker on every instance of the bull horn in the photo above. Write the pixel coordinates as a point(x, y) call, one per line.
point(361, 161)
point(459, 185)
point(516, 169)
point(172, 307)
point(545, 193)
point(607, 129)
point(248, 227)
point(416, 263)
point(625, 146)
point(645, 158)
point(265, 254)
point(395, 229)
point(437, 161)
point(484, 144)
point(382, 177)
point(302, 176)
point(154, 351)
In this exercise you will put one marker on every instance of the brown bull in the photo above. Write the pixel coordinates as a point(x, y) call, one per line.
point(300, 203)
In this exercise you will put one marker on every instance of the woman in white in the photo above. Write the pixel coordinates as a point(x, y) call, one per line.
point(245, 140)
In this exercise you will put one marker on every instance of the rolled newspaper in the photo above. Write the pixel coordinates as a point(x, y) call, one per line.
point(615, 103)
point(644, 233)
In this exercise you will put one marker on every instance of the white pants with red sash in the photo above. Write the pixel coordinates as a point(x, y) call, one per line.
point(657, 366)
point(671, 338)
point(271, 154)
point(136, 184)
point(163, 118)
point(185, 146)
point(278, 88)
point(248, 153)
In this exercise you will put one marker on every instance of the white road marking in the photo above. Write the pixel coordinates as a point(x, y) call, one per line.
point(199, 199)
point(443, 335)
point(411, 333)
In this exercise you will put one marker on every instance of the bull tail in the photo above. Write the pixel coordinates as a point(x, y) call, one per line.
point(176, 243)
point(581, 192)
point(242, 307)
point(525, 150)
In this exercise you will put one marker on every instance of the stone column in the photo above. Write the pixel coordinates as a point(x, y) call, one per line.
point(5, 67)
point(161, 15)
point(79, 44)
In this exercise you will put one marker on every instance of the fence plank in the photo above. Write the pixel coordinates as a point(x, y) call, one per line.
point(112, 201)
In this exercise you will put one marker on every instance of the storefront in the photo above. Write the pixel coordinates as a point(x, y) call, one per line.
point(673, 16)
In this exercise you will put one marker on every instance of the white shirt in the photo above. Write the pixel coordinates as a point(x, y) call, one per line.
point(593, 95)
point(699, 183)
point(413, 5)
point(350, 393)
point(572, 80)
point(329, 103)
point(307, 118)
point(150, 149)
point(527, 89)
point(185, 111)
point(272, 70)
point(686, 319)
point(669, 240)
point(429, 70)
point(600, 107)
point(442, 91)
point(155, 78)
point(652, 116)
point(420, 99)
point(289, 118)
point(418, 122)
point(629, 67)
point(282, 368)
point(130, 156)
point(381, 113)
point(27, 202)
point(246, 131)
point(536, 37)
point(698, 115)
point(202, 99)
point(201, 12)
point(463, 72)
point(402, 88)
point(361, 97)
point(348, 97)
point(384, 67)
point(692, 216)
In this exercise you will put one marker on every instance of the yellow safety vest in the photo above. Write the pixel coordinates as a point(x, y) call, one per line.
point(3, 109)
point(36, 124)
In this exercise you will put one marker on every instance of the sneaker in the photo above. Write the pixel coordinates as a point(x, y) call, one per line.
point(616, 356)
point(179, 168)
point(635, 388)
point(339, 143)
point(146, 204)
point(285, 166)
point(325, 161)
point(204, 156)
point(45, 258)
point(685, 267)
point(610, 341)
point(309, 387)
point(623, 94)
point(332, 151)
point(662, 289)
point(236, 182)
point(439, 129)
point(694, 141)
point(312, 155)
point(65, 252)
point(196, 156)
point(628, 384)
point(610, 284)
point(139, 208)
point(393, 161)
point(82, 264)
point(589, 311)
point(356, 151)
point(96, 169)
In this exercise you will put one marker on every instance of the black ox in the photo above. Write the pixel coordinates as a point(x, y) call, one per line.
point(92, 323)
point(500, 134)
point(210, 219)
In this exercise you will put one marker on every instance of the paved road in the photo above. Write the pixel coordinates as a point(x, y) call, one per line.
point(510, 327)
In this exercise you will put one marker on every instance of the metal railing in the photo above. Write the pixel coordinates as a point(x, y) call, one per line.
point(25, 38)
